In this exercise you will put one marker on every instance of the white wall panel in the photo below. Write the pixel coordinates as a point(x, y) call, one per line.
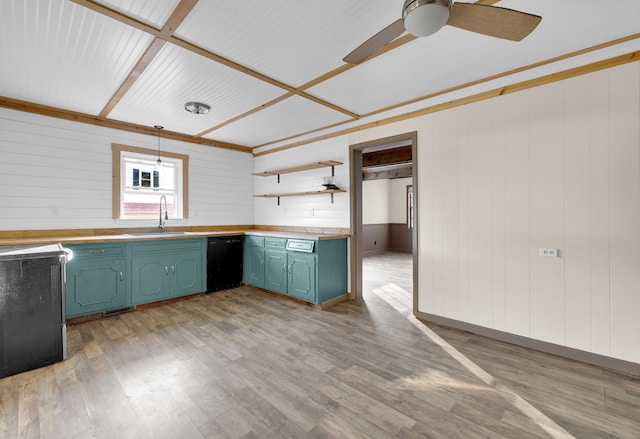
point(553, 166)
point(480, 214)
point(624, 156)
point(600, 214)
point(577, 163)
point(450, 216)
point(375, 202)
point(517, 214)
point(56, 174)
point(499, 223)
point(547, 212)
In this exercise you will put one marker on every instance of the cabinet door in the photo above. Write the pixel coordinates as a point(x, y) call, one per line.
point(275, 270)
point(186, 274)
point(254, 266)
point(94, 285)
point(149, 278)
point(302, 276)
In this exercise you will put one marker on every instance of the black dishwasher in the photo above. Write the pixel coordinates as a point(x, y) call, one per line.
point(224, 262)
point(32, 322)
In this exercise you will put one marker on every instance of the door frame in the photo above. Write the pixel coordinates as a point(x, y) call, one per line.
point(355, 184)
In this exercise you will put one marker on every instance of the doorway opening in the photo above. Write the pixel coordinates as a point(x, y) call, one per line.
point(385, 167)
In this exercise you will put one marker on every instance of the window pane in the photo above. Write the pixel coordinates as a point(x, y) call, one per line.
point(145, 183)
point(147, 205)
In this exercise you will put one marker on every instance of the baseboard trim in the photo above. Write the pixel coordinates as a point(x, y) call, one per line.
point(613, 364)
point(331, 302)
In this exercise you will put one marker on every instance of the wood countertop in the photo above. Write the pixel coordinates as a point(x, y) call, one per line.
point(144, 236)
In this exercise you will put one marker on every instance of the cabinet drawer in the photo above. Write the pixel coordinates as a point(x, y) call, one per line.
point(97, 250)
point(254, 241)
point(170, 245)
point(275, 242)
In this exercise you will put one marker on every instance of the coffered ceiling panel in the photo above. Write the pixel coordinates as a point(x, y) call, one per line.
point(452, 57)
point(288, 118)
point(289, 40)
point(152, 12)
point(177, 76)
point(272, 71)
point(55, 53)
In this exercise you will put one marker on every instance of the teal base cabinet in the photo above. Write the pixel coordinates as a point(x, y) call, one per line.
point(165, 269)
point(316, 273)
point(253, 261)
point(301, 279)
point(96, 278)
point(112, 276)
point(331, 268)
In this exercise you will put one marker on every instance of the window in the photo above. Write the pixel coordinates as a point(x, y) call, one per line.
point(138, 184)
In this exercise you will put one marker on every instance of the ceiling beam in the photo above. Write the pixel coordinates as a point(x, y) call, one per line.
point(141, 66)
point(384, 157)
point(175, 19)
point(29, 107)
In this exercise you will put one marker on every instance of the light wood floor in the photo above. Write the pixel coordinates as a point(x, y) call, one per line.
point(246, 364)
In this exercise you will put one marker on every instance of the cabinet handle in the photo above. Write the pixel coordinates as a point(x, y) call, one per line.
point(96, 251)
point(173, 270)
point(291, 269)
point(166, 270)
point(121, 276)
point(284, 268)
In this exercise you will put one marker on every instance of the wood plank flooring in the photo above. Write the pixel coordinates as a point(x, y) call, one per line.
point(242, 363)
point(584, 400)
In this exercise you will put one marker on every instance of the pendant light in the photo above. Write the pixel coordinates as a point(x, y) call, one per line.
point(158, 162)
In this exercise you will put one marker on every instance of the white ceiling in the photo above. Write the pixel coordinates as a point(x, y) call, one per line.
point(268, 68)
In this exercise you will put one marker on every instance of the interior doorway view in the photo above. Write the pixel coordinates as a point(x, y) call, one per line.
point(384, 194)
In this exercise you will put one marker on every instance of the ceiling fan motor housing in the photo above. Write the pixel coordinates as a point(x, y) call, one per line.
point(425, 17)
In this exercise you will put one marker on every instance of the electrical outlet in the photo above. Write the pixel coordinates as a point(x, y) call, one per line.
point(549, 252)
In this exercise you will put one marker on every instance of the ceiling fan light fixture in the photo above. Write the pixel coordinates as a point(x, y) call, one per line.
point(197, 107)
point(425, 17)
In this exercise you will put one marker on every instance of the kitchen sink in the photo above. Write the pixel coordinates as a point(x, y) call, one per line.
point(156, 234)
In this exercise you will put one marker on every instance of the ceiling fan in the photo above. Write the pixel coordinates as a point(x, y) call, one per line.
point(425, 17)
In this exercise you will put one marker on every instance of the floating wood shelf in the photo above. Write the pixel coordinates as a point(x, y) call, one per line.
point(299, 168)
point(297, 194)
point(308, 166)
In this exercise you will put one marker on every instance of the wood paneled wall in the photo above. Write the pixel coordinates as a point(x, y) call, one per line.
point(56, 174)
point(553, 166)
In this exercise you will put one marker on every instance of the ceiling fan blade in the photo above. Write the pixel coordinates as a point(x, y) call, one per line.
point(493, 21)
point(376, 42)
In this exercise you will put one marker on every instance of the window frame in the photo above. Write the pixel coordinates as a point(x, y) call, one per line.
point(410, 206)
point(116, 183)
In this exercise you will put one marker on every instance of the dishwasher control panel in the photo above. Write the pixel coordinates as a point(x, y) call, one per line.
point(300, 245)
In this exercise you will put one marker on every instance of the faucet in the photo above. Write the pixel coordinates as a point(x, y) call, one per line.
point(166, 215)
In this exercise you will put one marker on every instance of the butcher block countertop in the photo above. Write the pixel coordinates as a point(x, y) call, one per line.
point(92, 236)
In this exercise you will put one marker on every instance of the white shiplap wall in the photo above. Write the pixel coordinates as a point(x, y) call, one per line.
point(56, 174)
point(306, 211)
point(552, 166)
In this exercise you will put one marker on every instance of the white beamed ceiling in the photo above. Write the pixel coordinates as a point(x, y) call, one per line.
point(251, 61)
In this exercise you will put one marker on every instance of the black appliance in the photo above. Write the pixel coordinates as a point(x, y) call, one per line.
point(32, 316)
point(224, 262)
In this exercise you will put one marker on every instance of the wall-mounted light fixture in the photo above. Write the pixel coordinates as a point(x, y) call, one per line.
point(197, 107)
